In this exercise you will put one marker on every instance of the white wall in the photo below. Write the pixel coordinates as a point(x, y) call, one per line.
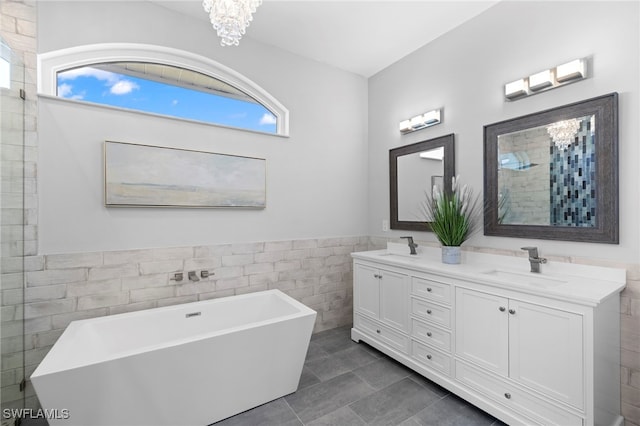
point(316, 179)
point(465, 70)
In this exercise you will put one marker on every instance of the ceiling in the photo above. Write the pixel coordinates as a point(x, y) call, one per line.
point(359, 36)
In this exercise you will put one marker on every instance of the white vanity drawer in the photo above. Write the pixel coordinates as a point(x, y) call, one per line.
point(434, 290)
point(529, 405)
point(385, 334)
point(431, 358)
point(432, 312)
point(431, 335)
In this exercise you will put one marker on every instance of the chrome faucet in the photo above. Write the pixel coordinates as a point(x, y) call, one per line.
point(192, 276)
point(412, 245)
point(534, 259)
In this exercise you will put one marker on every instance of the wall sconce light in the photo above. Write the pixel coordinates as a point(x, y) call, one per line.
point(421, 121)
point(573, 70)
point(540, 80)
point(548, 79)
point(515, 89)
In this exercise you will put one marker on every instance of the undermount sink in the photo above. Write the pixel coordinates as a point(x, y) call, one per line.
point(526, 278)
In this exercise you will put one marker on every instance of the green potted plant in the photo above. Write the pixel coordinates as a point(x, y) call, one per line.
point(453, 216)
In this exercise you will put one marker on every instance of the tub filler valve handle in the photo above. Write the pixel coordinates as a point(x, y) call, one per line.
point(178, 276)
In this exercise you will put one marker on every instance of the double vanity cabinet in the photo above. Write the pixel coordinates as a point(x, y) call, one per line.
point(528, 348)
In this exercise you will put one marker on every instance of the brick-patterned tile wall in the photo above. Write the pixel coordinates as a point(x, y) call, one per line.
point(630, 352)
point(65, 287)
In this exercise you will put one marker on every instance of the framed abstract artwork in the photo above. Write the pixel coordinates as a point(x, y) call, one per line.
point(151, 176)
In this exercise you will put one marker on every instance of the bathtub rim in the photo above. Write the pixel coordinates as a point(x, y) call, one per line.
point(43, 369)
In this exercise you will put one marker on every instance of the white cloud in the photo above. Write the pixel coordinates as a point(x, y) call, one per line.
point(267, 119)
point(65, 90)
point(117, 85)
point(123, 87)
point(174, 102)
point(107, 76)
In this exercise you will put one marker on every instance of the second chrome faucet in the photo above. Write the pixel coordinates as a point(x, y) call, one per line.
point(534, 259)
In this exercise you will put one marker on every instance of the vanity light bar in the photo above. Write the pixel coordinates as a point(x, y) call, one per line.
point(421, 121)
point(540, 80)
point(571, 71)
point(548, 79)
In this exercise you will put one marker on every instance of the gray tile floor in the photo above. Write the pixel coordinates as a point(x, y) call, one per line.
point(344, 383)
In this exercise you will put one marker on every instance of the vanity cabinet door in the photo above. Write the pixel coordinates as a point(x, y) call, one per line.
point(537, 346)
point(394, 299)
point(482, 329)
point(367, 290)
point(545, 347)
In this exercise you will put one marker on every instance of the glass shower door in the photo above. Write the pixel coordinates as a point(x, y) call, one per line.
point(12, 343)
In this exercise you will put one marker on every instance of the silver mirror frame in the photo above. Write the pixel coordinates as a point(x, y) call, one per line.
point(605, 109)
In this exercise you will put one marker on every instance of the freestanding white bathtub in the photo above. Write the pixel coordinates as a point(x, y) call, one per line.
point(191, 364)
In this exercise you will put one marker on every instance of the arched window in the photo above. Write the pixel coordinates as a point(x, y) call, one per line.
point(161, 81)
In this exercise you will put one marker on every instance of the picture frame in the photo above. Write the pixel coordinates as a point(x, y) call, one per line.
point(137, 175)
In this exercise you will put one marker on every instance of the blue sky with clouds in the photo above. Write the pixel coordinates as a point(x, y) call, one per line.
point(108, 88)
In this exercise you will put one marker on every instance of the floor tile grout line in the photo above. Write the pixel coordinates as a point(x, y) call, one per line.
point(329, 355)
point(293, 411)
point(412, 377)
point(357, 415)
point(372, 390)
point(319, 383)
point(353, 371)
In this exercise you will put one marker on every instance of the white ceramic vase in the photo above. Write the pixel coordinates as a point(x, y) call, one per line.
point(451, 254)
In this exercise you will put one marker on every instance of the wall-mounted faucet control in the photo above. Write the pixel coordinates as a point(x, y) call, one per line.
point(412, 245)
point(193, 276)
point(178, 276)
point(534, 259)
point(205, 274)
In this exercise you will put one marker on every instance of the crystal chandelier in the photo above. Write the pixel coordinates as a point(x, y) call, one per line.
point(563, 133)
point(230, 18)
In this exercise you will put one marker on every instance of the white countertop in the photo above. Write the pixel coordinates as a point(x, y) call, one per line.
point(583, 284)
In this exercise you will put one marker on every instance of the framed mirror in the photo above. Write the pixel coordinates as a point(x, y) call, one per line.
point(413, 170)
point(554, 174)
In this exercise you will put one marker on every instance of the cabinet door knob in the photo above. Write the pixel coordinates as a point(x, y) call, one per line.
point(507, 395)
point(428, 334)
point(502, 308)
point(429, 311)
point(429, 289)
point(428, 356)
point(512, 311)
